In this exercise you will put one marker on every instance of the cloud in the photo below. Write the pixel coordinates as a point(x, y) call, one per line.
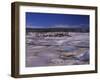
point(69, 26)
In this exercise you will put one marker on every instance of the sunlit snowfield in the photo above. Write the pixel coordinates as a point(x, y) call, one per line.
point(71, 49)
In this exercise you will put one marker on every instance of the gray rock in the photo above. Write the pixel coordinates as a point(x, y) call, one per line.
point(84, 56)
point(57, 61)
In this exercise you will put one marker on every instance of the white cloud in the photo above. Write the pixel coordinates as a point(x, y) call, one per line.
point(66, 26)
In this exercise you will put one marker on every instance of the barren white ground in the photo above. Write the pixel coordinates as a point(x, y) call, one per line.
point(53, 51)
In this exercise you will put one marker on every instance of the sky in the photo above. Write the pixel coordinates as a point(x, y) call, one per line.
point(48, 20)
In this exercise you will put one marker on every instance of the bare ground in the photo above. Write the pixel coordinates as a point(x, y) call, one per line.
point(56, 51)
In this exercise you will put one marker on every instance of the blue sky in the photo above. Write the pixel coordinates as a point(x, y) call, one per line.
point(47, 20)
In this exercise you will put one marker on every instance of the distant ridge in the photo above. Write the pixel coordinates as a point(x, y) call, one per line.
point(57, 29)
